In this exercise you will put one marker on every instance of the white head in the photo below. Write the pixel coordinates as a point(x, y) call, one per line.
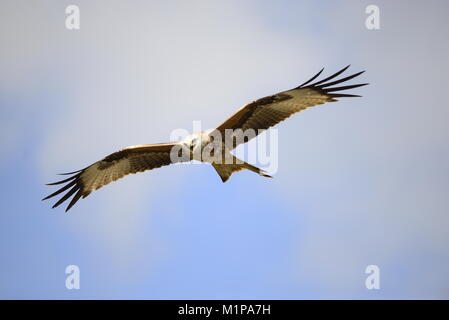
point(196, 142)
point(192, 142)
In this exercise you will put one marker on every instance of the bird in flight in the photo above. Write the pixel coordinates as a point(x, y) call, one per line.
point(254, 117)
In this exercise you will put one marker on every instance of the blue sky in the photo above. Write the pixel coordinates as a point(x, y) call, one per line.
point(360, 182)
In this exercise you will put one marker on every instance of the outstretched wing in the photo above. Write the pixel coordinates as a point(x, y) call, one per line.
point(267, 112)
point(115, 166)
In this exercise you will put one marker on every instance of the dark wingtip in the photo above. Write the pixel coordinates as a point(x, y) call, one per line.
point(63, 181)
point(67, 173)
point(353, 86)
point(311, 79)
point(328, 84)
point(336, 74)
point(345, 95)
point(328, 87)
point(74, 199)
point(75, 186)
point(52, 183)
point(264, 174)
point(74, 189)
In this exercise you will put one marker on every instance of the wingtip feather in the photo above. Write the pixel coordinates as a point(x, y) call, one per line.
point(67, 173)
point(311, 79)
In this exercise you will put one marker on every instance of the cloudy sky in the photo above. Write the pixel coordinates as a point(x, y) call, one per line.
point(359, 182)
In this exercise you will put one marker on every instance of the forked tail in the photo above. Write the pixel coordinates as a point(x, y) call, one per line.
point(226, 170)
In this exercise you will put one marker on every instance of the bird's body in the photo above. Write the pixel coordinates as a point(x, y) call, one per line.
point(196, 142)
point(213, 146)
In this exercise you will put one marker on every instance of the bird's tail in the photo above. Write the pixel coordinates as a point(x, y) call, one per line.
point(226, 170)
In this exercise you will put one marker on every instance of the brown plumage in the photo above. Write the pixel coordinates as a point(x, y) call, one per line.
point(258, 115)
point(115, 166)
point(266, 112)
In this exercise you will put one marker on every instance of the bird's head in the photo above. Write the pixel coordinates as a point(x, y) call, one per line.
point(196, 143)
point(192, 141)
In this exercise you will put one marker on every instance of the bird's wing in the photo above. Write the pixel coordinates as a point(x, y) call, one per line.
point(115, 166)
point(268, 111)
